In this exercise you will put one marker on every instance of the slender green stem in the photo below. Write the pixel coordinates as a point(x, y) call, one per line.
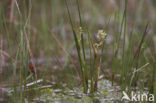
point(78, 52)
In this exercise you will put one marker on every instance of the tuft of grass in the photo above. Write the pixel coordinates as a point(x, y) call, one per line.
point(95, 64)
point(78, 44)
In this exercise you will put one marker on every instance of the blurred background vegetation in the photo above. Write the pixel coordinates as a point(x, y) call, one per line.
point(49, 20)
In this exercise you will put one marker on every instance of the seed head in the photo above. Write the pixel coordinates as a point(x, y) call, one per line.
point(80, 31)
point(101, 35)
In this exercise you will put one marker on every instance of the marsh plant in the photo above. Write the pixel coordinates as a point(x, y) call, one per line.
point(93, 68)
point(97, 60)
point(96, 47)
